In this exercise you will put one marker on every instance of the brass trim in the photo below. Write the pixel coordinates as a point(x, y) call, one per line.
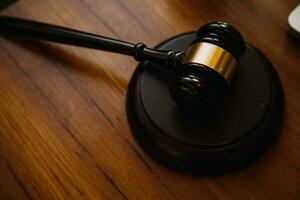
point(214, 57)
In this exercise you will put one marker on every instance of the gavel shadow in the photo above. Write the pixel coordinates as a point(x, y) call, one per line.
point(71, 61)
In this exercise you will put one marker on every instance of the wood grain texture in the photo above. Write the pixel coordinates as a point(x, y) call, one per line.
point(63, 126)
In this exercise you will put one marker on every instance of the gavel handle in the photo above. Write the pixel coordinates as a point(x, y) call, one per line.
point(53, 33)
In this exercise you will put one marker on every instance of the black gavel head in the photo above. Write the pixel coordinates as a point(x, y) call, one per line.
point(203, 78)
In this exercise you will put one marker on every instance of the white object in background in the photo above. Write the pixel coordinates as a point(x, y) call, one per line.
point(294, 21)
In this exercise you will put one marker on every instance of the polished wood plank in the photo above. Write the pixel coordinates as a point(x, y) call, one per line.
point(63, 126)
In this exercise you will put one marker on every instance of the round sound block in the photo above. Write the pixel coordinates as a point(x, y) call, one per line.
point(237, 134)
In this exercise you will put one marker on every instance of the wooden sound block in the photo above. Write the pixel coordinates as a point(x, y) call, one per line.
point(244, 126)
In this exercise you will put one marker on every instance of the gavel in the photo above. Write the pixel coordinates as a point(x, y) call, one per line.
point(203, 74)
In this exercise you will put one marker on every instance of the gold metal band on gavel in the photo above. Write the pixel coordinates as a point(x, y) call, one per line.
point(213, 57)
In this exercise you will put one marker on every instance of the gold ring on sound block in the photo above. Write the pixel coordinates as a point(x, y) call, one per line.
point(214, 57)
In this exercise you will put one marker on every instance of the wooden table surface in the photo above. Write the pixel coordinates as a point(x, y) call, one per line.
point(63, 126)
